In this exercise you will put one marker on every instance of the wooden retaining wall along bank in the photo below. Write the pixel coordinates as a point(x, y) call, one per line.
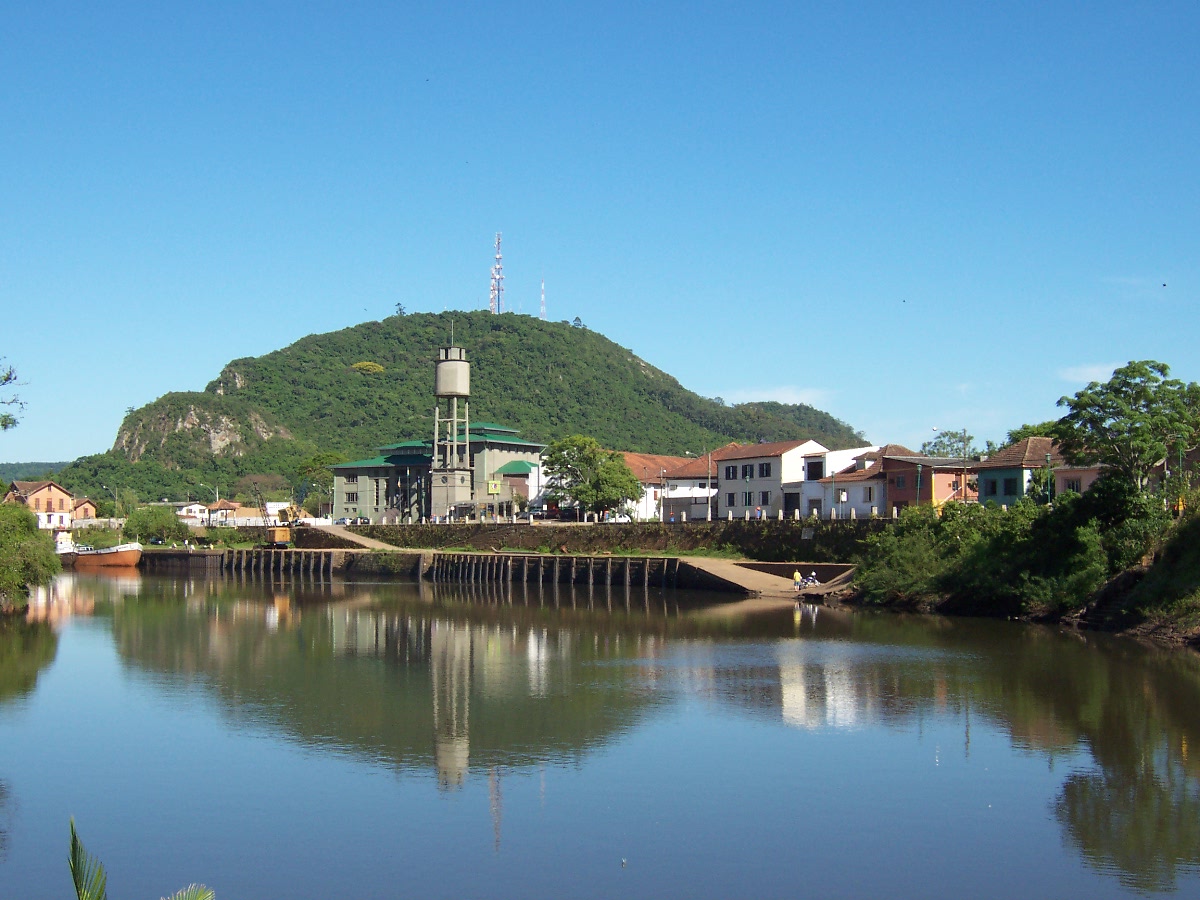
point(313, 563)
point(660, 572)
point(631, 571)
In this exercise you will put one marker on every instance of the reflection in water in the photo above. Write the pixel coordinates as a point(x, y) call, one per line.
point(447, 680)
point(4, 814)
point(26, 647)
point(462, 684)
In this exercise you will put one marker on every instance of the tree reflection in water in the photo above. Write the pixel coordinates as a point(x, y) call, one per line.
point(1144, 826)
point(446, 681)
point(25, 649)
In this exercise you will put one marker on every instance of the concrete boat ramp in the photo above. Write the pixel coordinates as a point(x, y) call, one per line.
point(773, 581)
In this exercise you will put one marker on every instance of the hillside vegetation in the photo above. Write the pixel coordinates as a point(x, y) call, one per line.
point(352, 390)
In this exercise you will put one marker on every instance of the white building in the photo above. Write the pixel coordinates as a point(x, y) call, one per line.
point(193, 513)
point(752, 476)
point(653, 471)
point(817, 496)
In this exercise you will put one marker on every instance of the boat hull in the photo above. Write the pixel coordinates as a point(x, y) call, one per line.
point(125, 556)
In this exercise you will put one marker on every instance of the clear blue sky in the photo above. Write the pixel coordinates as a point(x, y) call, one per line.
point(911, 215)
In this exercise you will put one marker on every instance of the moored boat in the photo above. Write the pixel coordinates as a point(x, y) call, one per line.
point(121, 556)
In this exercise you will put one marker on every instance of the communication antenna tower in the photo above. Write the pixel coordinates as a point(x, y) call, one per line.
point(496, 299)
point(543, 299)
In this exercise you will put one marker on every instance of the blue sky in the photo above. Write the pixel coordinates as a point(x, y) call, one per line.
point(911, 215)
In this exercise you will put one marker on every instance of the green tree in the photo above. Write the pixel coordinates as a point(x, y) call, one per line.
point(155, 522)
point(953, 444)
point(580, 469)
point(318, 472)
point(1037, 429)
point(8, 378)
point(27, 556)
point(1128, 423)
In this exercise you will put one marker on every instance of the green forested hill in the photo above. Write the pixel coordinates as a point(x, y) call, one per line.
point(266, 414)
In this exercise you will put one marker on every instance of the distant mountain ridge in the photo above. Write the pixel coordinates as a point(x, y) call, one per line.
point(26, 471)
point(352, 390)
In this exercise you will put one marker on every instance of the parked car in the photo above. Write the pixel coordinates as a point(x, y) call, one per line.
point(618, 519)
point(342, 521)
point(360, 520)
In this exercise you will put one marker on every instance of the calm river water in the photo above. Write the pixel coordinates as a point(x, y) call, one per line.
point(370, 740)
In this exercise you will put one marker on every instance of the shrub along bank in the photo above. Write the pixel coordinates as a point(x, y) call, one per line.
point(1040, 561)
point(27, 556)
point(765, 541)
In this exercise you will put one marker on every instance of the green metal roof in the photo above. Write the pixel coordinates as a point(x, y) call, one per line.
point(406, 445)
point(394, 459)
point(504, 439)
point(516, 467)
point(362, 463)
point(409, 459)
point(492, 426)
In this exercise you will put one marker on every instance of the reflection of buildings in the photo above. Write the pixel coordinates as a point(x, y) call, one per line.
point(70, 595)
point(451, 656)
point(818, 694)
point(492, 663)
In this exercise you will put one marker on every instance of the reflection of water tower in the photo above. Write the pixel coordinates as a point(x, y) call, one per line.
point(451, 652)
point(451, 473)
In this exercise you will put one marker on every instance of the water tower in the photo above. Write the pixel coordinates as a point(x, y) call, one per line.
point(453, 482)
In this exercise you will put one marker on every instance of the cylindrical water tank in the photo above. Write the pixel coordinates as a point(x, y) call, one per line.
point(453, 375)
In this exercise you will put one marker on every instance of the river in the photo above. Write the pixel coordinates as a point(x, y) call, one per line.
point(398, 740)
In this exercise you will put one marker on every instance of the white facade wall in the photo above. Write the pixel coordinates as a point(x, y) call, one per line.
point(813, 494)
point(691, 496)
point(765, 486)
point(51, 520)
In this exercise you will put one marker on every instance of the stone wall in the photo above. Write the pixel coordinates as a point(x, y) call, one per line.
point(770, 541)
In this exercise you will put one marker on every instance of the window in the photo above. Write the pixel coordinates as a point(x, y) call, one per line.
point(900, 482)
point(869, 494)
point(990, 487)
point(748, 471)
point(351, 479)
point(60, 504)
point(730, 500)
point(764, 498)
point(701, 484)
point(37, 504)
point(672, 487)
point(814, 469)
point(1011, 487)
point(352, 497)
point(764, 470)
point(731, 473)
point(747, 498)
point(377, 492)
point(1073, 484)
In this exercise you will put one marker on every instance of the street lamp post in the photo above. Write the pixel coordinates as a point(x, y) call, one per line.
point(662, 495)
point(711, 495)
